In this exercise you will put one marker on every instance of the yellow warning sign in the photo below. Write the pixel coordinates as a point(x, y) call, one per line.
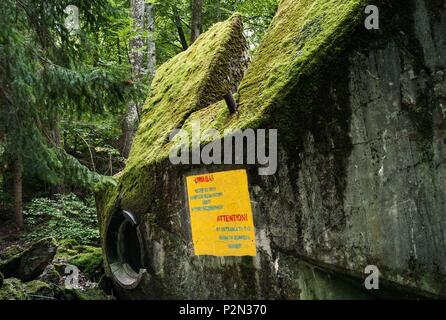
point(221, 214)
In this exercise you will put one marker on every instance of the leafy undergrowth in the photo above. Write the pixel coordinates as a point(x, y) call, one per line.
point(72, 222)
point(65, 218)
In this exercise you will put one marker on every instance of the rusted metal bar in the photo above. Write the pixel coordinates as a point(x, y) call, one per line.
point(230, 102)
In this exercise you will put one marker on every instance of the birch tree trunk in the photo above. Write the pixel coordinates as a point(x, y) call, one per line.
point(137, 59)
point(218, 10)
point(196, 23)
point(151, 47)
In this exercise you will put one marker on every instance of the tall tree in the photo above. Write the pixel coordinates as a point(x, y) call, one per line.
point(137, 60)
point(179, 27)
point(196, 20)
point(142, 48)
point(48, 71)
point(218, 10)
point(151, 46)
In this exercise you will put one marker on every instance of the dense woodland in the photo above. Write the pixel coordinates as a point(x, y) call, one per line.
point(73, 80)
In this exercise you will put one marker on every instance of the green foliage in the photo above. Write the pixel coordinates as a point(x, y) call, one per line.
point(257, 15)
point(48, 73)
point(66, 217)
point(93, 140)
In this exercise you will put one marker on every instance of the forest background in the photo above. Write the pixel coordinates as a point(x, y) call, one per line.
point(74, 76)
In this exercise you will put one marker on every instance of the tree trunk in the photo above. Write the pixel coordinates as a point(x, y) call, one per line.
point(196, 24)
point(59, 188)
point(18, 193)
point(137, 58)
point(177, 20)
point(137, 43)
point(129, 129)
point(151, 47)
point(218, 10)
point(230, 102)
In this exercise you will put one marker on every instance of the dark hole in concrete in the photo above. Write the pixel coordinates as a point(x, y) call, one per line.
point(124, 249)
point(129, 250)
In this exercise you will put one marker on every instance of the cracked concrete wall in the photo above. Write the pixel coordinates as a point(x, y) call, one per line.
point(390, 211)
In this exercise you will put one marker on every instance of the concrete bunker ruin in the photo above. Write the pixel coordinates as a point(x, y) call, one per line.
point(361, 171)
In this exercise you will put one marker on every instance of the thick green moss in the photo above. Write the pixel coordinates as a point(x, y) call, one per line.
point(87, 258)
point(88, 262)
point(67, 244)
point(11, 252)
point(38, 289)
point(303, 35)
point(13, 289)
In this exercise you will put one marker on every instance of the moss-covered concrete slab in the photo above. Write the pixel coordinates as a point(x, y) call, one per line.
point(302, 36)
point(212, 67)
point(29, 261)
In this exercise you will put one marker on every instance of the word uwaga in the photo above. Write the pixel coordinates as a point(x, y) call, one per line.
point(232, 144)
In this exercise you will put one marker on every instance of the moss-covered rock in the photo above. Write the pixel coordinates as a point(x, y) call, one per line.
point(302, 39)
point(13, 289)
point(2, 278)
point(50, 275)
point(38, 290)
point(89, 261)
point(27, 262)
point(60, 266)
point(87, 258)
point(11, 251)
